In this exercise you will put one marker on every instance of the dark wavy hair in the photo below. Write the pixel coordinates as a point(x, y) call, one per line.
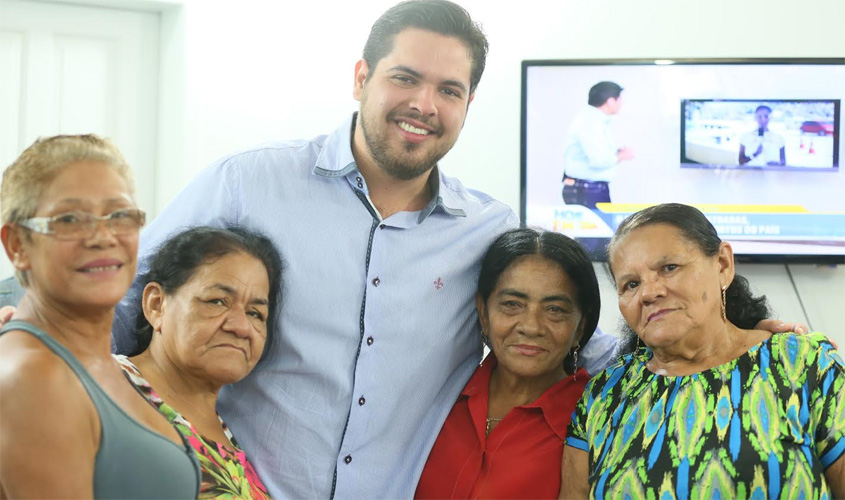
point(440, 16)
point(742, 309)
point(562, 250)
point(177, 260)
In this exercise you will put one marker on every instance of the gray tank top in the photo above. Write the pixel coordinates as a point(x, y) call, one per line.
point(133, 461)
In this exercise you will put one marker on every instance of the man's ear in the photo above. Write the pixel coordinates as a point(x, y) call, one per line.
point(13, 244)
point(152, 302)
point(362, 69)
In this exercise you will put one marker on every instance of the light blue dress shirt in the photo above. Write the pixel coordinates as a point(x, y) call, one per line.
point(378, 330)
point(590, 151)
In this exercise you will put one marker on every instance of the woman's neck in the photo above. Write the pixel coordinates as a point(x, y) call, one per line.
point(508, 389)
point(187, 394)
point(698, 352)
point(85, 332)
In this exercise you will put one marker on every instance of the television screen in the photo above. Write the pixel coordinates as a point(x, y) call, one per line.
point(754, 144)
point(789, 134)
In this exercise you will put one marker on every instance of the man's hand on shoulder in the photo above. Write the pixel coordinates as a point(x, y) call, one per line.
point(778, 326)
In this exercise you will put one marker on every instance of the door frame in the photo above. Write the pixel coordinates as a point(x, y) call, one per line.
point(174, 142)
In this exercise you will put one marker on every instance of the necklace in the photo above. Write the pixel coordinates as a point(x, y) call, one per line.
point(487, 429)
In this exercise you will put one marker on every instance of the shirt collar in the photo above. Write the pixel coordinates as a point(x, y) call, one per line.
point(336, 160)
point(549, 403)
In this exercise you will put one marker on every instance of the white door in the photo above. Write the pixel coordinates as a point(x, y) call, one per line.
point(68, 69)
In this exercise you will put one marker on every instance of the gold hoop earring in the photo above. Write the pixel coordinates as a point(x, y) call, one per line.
point(724, 302)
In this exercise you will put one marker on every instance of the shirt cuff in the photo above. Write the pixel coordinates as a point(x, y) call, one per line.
point(828, 458)
point(577, 443)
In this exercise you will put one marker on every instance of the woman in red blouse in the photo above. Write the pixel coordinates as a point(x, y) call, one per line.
point(538, 304)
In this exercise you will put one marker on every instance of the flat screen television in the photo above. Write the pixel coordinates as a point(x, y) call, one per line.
point(753, 143)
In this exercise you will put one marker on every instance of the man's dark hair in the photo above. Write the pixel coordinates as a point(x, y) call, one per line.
point(438, 16)
point(602, 91)
point(763, 106)
point(563, 251)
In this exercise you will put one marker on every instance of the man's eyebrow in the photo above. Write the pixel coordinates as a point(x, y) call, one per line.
point(417, 74)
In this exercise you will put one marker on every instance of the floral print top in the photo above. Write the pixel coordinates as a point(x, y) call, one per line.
point(226, 473)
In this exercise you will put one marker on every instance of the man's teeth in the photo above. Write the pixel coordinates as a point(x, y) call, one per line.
point(101, 269)
point(414, 130)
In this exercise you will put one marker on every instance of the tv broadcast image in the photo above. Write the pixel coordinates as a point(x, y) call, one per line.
point(754, 144)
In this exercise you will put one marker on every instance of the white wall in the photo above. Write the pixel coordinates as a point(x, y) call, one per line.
point(259, 70)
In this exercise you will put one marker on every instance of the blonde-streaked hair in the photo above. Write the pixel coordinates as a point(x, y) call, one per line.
point(26, 179)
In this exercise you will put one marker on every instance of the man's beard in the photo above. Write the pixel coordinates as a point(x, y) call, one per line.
point(403, 168)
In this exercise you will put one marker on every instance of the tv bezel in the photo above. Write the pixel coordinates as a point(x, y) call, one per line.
point(824, 259)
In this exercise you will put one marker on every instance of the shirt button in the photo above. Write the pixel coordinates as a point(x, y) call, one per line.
point(361, 401)
point(723, 411)
point(370, 341)
point(358, 179)
point(382, 226)
point(376, 281)
point(360, 186)
point(348, 458)
point(655, 417)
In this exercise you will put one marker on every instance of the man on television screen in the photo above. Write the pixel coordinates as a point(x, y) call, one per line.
point(591, 154)
point(761, 146)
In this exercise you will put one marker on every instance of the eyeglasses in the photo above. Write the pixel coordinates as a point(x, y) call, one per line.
point(82, 225)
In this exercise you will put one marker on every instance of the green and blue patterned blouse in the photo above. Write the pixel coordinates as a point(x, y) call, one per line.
point(765, 425)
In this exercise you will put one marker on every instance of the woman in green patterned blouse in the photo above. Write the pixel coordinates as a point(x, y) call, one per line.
point(710, 407)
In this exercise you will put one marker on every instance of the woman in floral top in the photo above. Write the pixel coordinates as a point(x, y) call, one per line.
point(208, 298)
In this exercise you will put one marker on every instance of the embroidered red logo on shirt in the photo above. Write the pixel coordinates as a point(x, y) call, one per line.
point(438, 284)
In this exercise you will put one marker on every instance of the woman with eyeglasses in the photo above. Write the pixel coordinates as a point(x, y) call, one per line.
point(73, 426)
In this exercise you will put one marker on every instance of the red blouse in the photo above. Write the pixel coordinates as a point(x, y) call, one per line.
point(520, 458)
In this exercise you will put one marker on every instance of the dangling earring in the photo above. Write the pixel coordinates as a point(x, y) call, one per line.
point(575, 364)
point(724, 303)
point(637, 349)
point(485, 342)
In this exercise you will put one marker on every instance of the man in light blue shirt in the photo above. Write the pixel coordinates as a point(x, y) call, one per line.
point(590, 153)
point(377, 333)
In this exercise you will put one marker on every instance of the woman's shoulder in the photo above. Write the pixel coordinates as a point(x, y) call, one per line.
point(45, 390)
point(26, 364)
point(810, 349)
point(629, 363)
